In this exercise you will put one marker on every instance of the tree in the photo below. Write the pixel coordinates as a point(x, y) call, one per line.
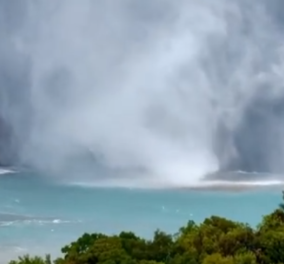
point(217, 258)
point(245, 258)
point(26, 259)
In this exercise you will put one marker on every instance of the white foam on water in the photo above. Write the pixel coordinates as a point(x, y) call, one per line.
point(231, 185)
point(6, 171)
point(36, 222)
point(269, 180)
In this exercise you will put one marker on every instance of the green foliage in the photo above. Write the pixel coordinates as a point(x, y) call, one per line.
point(245, 258)
point(26, 259)
point(214, 241)
point(217, 258)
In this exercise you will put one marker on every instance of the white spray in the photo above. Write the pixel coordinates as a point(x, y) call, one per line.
point(139, 85)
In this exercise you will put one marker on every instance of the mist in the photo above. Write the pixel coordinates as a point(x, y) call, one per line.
point(149, 92)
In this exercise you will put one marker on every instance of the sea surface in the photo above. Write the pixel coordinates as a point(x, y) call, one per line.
point(40, 216)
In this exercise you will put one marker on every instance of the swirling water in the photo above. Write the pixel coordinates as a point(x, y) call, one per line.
point(39, 216)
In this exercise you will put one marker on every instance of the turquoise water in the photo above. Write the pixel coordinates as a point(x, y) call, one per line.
point(37, 215)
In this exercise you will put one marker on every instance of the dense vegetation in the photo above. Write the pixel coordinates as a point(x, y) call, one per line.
point(215, 241)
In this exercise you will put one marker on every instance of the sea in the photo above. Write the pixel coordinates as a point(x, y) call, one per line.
point(39, 216)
